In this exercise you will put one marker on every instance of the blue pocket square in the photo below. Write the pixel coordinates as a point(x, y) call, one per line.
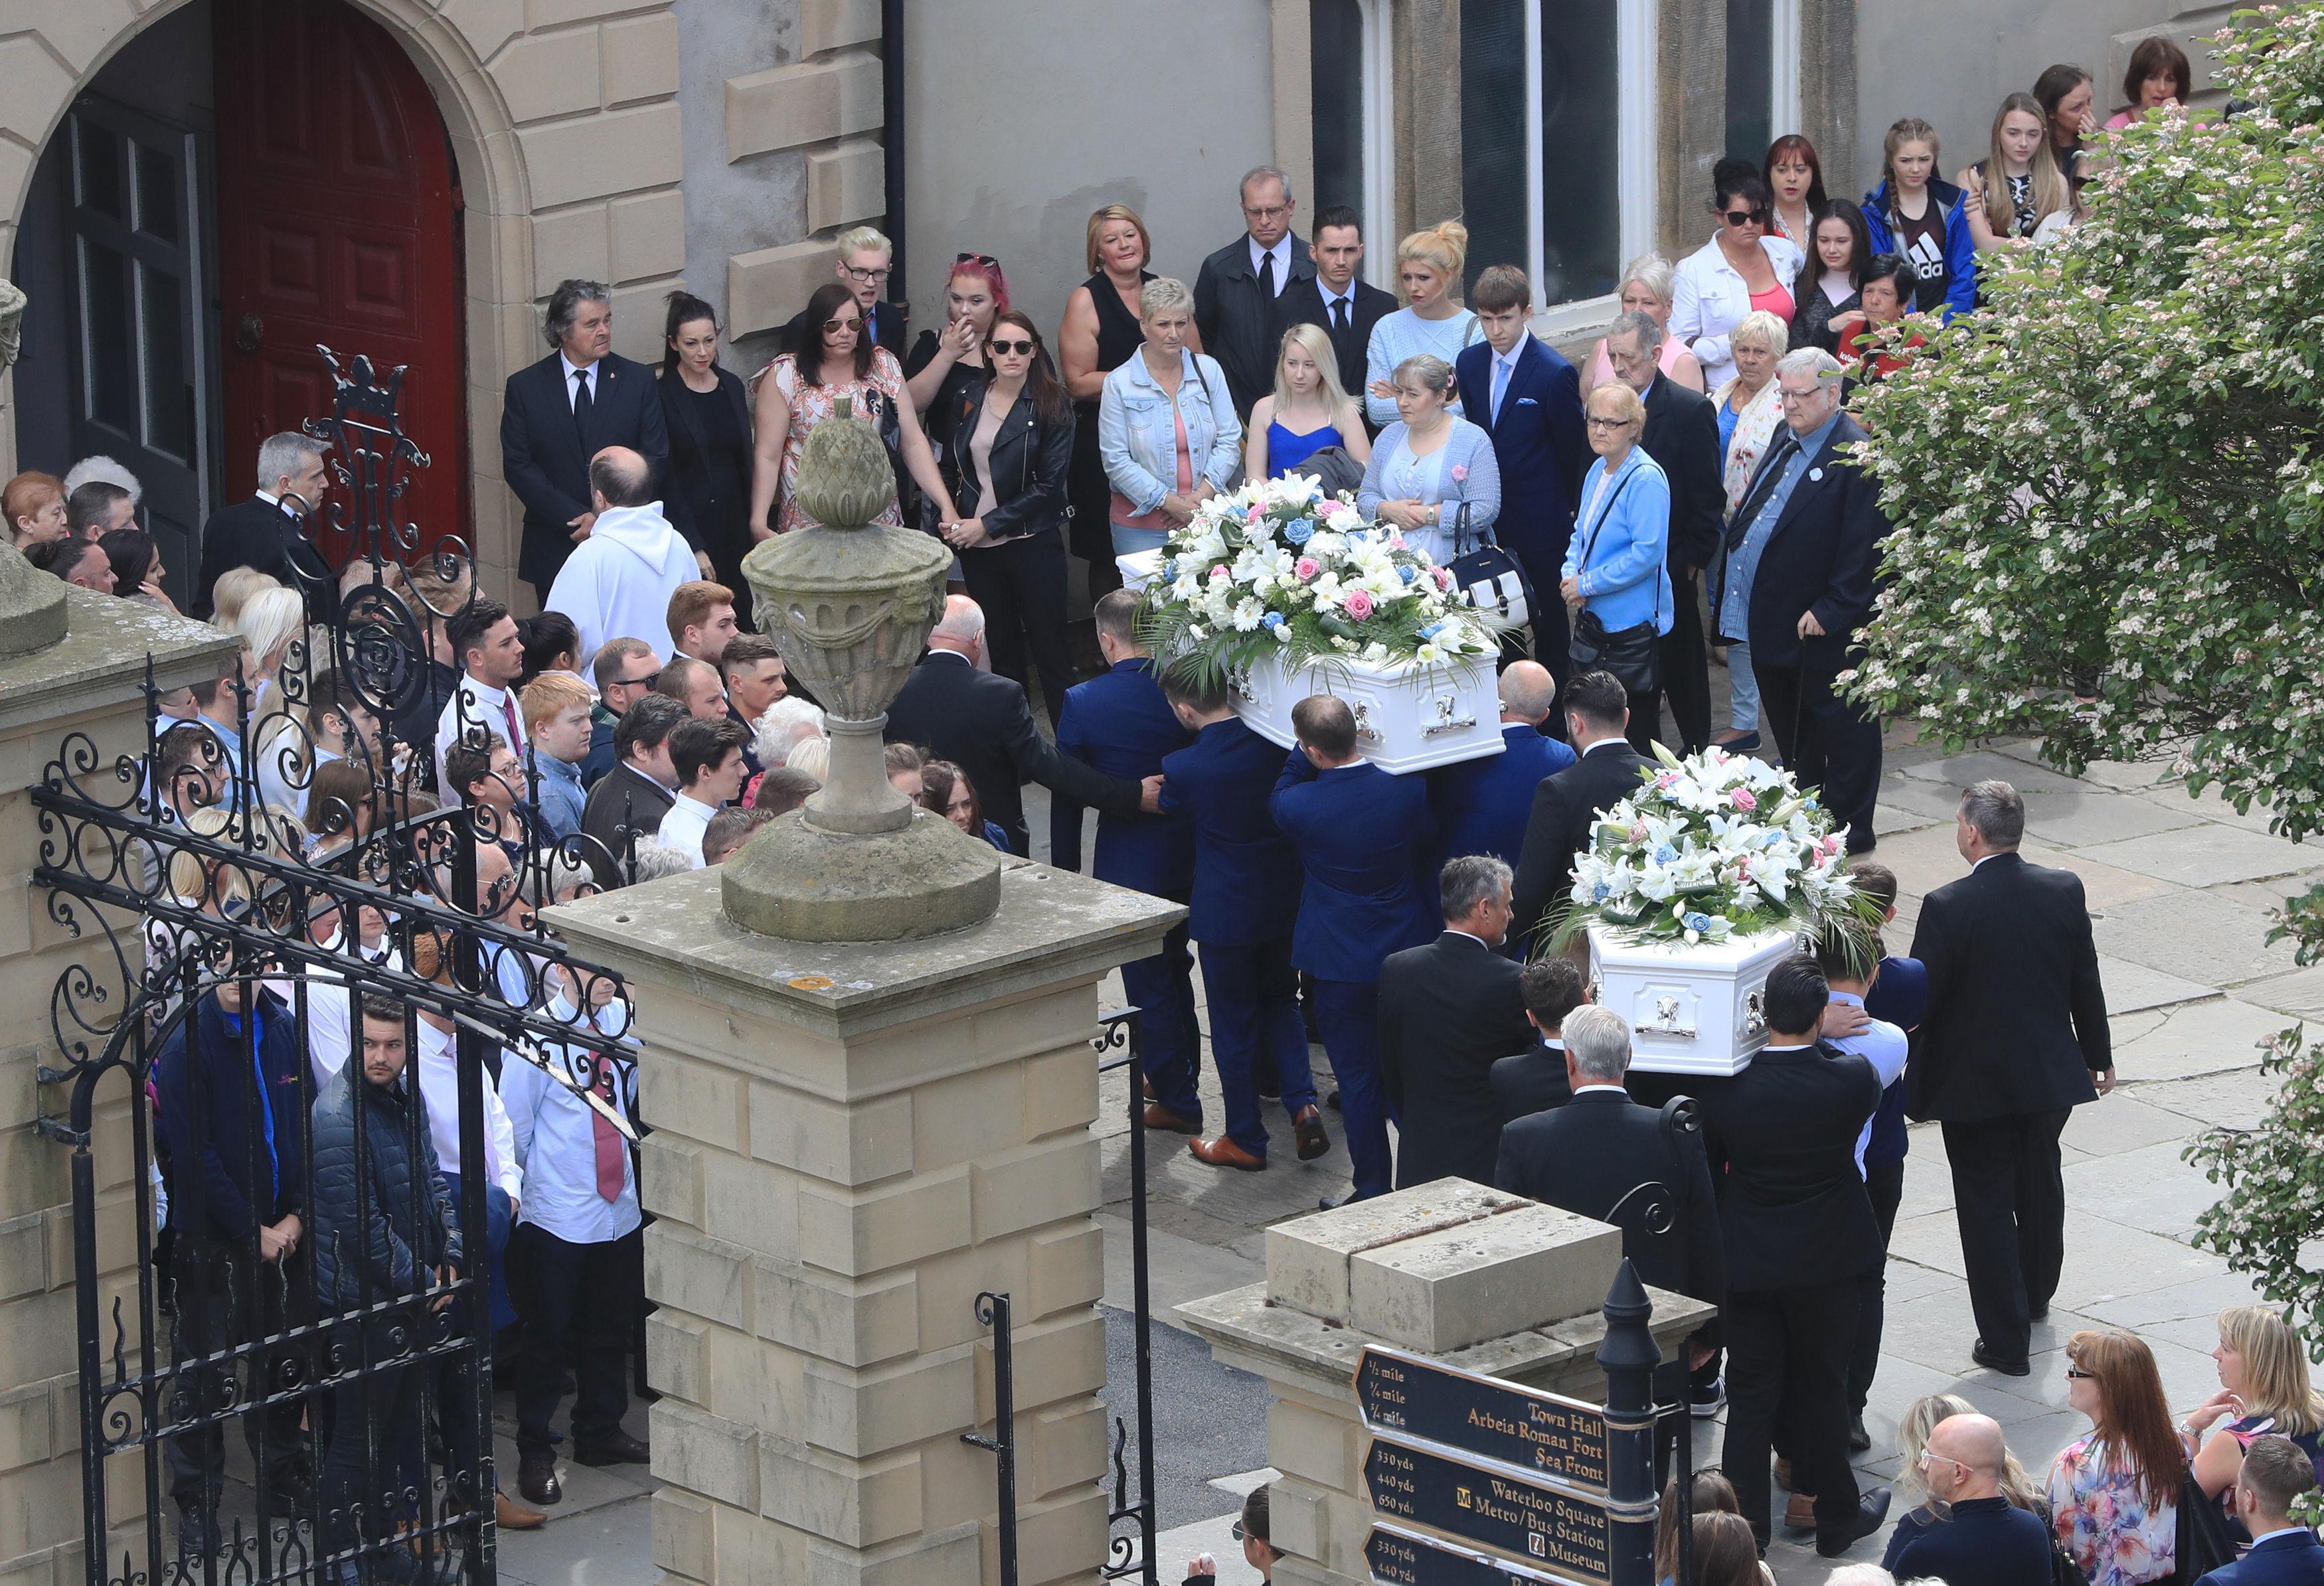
point(1528, 402)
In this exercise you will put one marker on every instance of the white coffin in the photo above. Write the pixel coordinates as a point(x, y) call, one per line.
point(1408, 717)
point(1692, 1010)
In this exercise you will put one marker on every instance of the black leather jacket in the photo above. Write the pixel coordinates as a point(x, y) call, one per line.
point(1031, 457)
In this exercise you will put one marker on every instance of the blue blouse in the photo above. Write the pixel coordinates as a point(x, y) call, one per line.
point(1287, 450)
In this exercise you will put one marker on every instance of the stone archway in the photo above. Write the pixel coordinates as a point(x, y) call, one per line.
point(565, 134)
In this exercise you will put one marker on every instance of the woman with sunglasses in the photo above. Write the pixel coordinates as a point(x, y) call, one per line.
point(1740, 270)
point(1007, 455)
point(800, 391)
point(2114, 1494)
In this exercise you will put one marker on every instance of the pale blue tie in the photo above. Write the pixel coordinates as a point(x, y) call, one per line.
point(1500, 384)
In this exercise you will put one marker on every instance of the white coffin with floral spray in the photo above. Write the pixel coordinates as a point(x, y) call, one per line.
point(1692, 889)
point(1287, 592)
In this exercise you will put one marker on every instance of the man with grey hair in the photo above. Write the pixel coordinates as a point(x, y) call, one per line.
point(1681, 436)
point(1235, 296)
point(267, 530)
point(2015, 1037)
point(1802, 550)
point(557, 414)
point(1448, 1012)
point(1482, 806)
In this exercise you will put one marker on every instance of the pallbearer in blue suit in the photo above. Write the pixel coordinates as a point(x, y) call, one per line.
point(1482, 806)
point(1246, 900)
point(1363, 837)
point(1118, 724)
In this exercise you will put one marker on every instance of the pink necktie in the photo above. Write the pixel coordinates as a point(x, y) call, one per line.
point(613, 1152)
point(508, 709)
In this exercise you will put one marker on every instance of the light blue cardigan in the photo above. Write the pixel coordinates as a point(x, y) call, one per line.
point(1468, 449)
point(1624, 538)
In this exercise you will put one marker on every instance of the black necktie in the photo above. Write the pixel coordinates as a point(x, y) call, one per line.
point(1339, 314)
point(1267, 275)
point(582, 406)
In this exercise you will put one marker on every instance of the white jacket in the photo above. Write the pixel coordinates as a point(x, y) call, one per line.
point(617, 582)
point(1710, 299)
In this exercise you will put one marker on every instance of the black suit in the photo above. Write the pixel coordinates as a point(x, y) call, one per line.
point(1448, 1012)
point(1302, 303)
point(2015, 1028)
point(1564, 806)
point(1241, 325)
point(889, 329)
point(1800, 1239)
point(624, 795)
point(1681, 434)
point(544, 449)
point(1821, 556)
point(981, 723)
point(1533, 1081)
point(254, 533)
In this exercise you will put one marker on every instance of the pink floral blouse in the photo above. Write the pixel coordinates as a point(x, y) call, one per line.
point(2104, 1522)
point(811, 404)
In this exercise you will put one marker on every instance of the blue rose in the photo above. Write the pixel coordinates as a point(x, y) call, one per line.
point(1300, 533)
point(1170, 571)
point(1431, 631)
point(1601, 893)
point(1696, 922)
point(1407, 572)
point(1666, 854)
point(1271, 620)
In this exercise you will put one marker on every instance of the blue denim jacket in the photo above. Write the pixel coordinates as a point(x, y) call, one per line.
point(1617, 550)
point(1138, 441)
point(557, 783)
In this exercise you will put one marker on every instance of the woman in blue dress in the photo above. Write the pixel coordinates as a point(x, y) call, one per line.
point(1309, 410)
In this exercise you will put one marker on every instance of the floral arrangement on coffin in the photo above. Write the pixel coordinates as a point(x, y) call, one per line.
point(1279, 571)
point(1713, 846)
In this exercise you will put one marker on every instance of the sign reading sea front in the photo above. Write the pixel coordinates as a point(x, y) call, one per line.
point(1533, 1520)
point(1521, 1426)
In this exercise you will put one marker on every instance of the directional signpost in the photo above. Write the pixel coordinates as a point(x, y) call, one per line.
point(1522, 1426)
point(1533, 1520)
point(1410, 1558)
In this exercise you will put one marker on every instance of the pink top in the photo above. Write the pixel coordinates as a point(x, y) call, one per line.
point(1776, 300)
point(1666, 360)
point(1157, 518)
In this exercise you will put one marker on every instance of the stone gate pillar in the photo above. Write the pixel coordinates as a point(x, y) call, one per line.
point(850, 1142)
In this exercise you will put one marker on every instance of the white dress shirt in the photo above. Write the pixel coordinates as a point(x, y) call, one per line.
point(485, 704)
point(1280, 252)
point(1332, 301)
point(438, 1066)
point(557, 1141)
point(330, 1010)
point(683, 825)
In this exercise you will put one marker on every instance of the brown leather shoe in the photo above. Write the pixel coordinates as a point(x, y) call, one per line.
point(1223, 1152)
point(1799, 1513)
point(511, 1516)
point(1308, 1126)
point(1158, 1116)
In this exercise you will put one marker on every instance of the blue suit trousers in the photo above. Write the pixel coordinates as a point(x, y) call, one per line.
point(1163, 988)
point(1254, 1001)
point(1348, 1013)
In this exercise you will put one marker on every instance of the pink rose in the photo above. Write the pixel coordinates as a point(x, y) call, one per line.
point(1444, 577)
point(1832, 844)
point(1743, 800)
point(1306, 567)
point(1257, 514)
point(1638, 832)
point(1360, 605)
point(1219, 573)
point(1459, 472)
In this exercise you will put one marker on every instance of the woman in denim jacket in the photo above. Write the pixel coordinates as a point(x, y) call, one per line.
point(1166, 426)
point(1614, 568)
point(1429, 464)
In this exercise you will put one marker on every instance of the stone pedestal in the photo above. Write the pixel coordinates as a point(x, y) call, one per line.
point(1483, 1281)
point(850, 1142)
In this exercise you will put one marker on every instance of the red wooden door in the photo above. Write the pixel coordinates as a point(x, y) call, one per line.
point(338, 225)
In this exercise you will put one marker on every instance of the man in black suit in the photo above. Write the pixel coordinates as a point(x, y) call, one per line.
point(1797, 586)
point(1799, 1238)
point(2015, 1039)
point(1682, 434)
point(981, 723)
point(1448, 1012)
point(560, 412)
point(638, 791)
point(1597, 717)
point(1534, 1080)
point(1346, 307)
point(1235, 296)
point(268, 531)
point(866, 262)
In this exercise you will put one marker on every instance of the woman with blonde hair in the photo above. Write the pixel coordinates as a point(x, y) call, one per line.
point(1103, 329)
point(1650, 287)
point(2016, 186)
point(1309, 410)
point(1432, 321)
point(2263, 1387)
point(1750, 409)
point(2114, 1494)
point(235, 588)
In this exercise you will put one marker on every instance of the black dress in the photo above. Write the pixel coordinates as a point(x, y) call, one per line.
point(707, 494)
point(1118, 335)
point(1812, 325)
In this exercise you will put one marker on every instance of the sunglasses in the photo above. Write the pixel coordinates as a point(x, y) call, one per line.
point(1020, 347)
point(2079, 1375)
point(1744, 217)
point(842, 325)
point(1237, 1531)
point(987, 259)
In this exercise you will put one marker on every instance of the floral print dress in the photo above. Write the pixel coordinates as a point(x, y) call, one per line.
point(811, 404)
point(2103, 1520)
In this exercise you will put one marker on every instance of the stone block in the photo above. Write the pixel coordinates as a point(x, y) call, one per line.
point(682, 1540)
point(115, 1222)
point(649, 234)
point(486, 24)
point(860, 1413)
point(845, 185)
point(1062, 1446)
point(44, 1508)
point(638, 319)
point(754, 1201)
point(1499, 1274)
point(859, 1232)
point(861, 1503)
point(855, 1322)
point(669, 1176)
point(706, 1453)
point(845, 1145)
point(696, 1100)
point(549, 14)
point(945, 1557)
point(834, 24)
point(765, 286)
point(1053, 1360)
point(949, 1284)
point(1308, 1257)
point(1034, 1184)
point(1065, 1268)
point(812, 102)
point(1322, 1447)
point(1059, 1538)
point(40, 1338)
point(640, 57)
point(955, 1483)
point(750, 1550)
point(1060, 1091)
point(25, 1255)
point(678, 1355)
point(567, 244)
point(753, 1381)
point(967, 1116)
point(548, 75)
point(694, 1272)
point(35, 86)
point(598, 156)
point(27, 1434)
point(1029, 1026)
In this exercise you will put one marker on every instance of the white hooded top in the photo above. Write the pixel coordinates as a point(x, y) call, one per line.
point(617, 582)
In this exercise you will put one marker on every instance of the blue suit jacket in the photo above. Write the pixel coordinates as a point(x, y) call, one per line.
point(1482, 806)
point(1245, 873)
point(1118, 724)
point(2280, 1561)
point(1539, 441)
point(1365, 838)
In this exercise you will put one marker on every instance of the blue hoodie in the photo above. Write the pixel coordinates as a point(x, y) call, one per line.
point(247, 1131)
point(1960, 249)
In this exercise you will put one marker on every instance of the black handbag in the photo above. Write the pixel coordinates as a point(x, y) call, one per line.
point(2203, 1542)
point(1490, 578)
point(1634, 655)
